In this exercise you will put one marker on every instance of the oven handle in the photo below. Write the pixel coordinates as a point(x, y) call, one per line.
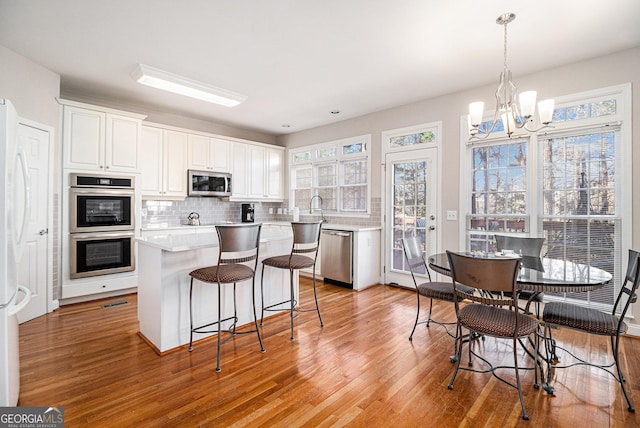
point(103, 235)
point(100, 191)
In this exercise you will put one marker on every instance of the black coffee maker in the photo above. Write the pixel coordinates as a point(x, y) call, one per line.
point(248, 213)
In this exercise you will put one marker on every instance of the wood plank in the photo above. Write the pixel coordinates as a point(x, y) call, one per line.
point(359, 370)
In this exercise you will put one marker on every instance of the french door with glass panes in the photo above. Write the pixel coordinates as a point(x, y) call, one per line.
point(411, 197)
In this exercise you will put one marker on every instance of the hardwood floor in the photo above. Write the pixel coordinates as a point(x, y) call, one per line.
point(359, 370)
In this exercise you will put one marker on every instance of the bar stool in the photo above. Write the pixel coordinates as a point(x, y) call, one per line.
point(306, 240)
point(237, 261)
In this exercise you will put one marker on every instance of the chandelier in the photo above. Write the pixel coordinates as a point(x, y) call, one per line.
point(516, 111)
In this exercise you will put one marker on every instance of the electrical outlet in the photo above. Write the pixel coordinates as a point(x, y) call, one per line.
point(452, 215)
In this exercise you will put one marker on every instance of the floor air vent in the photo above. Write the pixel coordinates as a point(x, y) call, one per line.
point(111, 305)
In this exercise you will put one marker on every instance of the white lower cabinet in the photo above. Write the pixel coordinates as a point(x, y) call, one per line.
point(366, 267)
point(163, 164)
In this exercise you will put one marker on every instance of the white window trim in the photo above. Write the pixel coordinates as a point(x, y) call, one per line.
point(365, 139)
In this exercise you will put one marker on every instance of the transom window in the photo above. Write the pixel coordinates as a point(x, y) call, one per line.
point(337, 171)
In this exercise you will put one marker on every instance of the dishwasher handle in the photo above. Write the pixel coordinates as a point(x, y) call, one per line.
point(336, 233)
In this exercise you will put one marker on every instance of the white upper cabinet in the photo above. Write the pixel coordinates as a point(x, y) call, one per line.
point(256, 188)
point(100, 140)
point(209, 153)
point(198, 152)
point(151, 163)
point(239, 178)
point(175, 163)
point(164, 164)
point(274, 173)
point(220, 152)
point(257, 173)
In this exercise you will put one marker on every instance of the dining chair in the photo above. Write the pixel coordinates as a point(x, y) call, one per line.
point(438, 290)
point(304, 253)
point(593, 321)
point(237, 262)
point(527, 247)
point(490, 314)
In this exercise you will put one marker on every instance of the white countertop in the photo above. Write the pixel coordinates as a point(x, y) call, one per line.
point(195, 241)
point(349, 227)
point(326, 226)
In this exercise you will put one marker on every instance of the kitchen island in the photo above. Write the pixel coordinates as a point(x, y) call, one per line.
point(164, 263)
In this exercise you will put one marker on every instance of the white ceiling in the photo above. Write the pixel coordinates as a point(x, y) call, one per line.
point(297, 60)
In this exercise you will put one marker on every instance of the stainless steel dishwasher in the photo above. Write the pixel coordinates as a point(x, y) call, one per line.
point(336, 262)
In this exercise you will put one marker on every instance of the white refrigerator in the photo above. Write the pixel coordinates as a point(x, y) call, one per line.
point(14, 212)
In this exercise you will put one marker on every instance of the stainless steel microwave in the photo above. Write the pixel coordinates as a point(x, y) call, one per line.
point(208, 183)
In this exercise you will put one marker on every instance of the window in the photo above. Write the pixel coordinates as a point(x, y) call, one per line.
point(302, 184)
point(412, 139)
point(337, 171)
point(563, 183)
point(498, 192)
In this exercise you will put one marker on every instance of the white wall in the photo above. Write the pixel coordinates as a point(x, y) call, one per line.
point(609, 70)
point(614, 69)
point(32, 88)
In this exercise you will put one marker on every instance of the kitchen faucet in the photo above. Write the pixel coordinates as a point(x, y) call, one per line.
point(311, 206)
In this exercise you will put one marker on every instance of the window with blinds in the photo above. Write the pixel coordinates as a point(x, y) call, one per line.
point(564, 184)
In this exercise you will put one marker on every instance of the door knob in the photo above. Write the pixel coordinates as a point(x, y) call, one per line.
point(432, 228)
point(43, 232)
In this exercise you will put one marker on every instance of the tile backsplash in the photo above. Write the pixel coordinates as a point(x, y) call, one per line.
point(211, 210)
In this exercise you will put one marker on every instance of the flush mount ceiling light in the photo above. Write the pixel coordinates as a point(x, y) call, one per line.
point(512, 116)
point(170, 82)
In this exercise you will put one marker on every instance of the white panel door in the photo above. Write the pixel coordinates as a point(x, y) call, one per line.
point(34, 267)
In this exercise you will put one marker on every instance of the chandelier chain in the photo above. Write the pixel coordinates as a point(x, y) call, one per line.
point(505, 45)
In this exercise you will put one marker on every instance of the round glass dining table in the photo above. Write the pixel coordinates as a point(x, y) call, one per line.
point(541, 274)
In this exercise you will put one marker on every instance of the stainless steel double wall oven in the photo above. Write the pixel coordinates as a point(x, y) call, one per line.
point(102, 224)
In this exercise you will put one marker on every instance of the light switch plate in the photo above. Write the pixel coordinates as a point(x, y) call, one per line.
point(452, 215)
